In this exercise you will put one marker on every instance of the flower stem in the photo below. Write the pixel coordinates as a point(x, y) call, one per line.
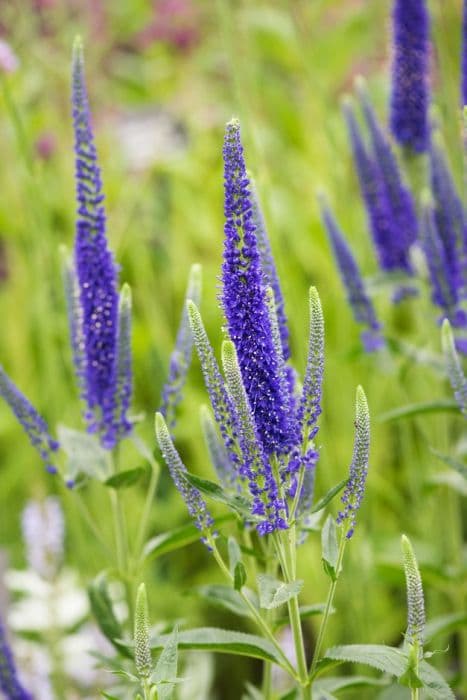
point(327, 610)
point(143, 523)
point(262, 624)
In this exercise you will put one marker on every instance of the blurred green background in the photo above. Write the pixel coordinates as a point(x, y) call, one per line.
point(162, 84)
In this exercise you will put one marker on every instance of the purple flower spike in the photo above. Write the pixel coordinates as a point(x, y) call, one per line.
point(353, 493)
point(464, 55)
point(34, 425)
point(403, 216)
point(9, 682)
point(244, 299)
point(374, 195)
point(449, 218)
point(96, 271)
point(410, 69)
point(359, 301)
point(444, 290)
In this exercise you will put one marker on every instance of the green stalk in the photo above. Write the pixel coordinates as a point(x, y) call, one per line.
point(121, 542)
point(327, 610)
point(262, 624)
point(144, 521)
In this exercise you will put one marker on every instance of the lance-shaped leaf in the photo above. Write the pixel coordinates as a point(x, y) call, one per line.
point(181, 356)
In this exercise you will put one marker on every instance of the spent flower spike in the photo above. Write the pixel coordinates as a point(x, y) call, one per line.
point(34, 425)
point(96, 270)
point(355, 489)
point(410, 75)
point(244, 299)
point(357, 296)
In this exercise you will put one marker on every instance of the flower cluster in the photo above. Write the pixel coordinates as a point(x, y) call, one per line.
point(261, 439)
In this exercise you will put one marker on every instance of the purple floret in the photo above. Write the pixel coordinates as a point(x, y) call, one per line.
point(410, 72)
point(464, 56)
point(9, 681)
point(244, 300)
point(96, 271)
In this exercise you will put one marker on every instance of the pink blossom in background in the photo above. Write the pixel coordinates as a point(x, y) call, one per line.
point(9, 62)
point(175, 22)
point(45, 146)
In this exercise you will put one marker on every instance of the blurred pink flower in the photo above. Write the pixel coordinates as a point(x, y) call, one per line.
point(175, 22)
point(9, 62)
point(45, 146)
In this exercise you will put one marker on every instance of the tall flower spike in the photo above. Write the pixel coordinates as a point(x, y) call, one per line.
point(269, 270)
point(217, 453)
point(224, 410)
point(403, 216)
point(34, 425)
point(355, 488)
point(9, 682)
point(96, 270)
point(464, 56)
point(449, 217)
point(192, 497)
point(309, 408)
point(358, 299)
point(143, 660)
point(245, 303)
point(374, 195)
point(444, 291)
point(268, 505)
point(415, 599)
point(181, 355)
point(410, 74)
point(124, 382)
point(454, 369)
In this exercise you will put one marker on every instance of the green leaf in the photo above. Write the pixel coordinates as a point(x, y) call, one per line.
point(224, 597)
point(235, 554)
point(102, 609)
point(346, 682)
point(305, 611)
point(176, 539)
point(417, 409)
point(273, 593)
point(217, 493)
point(330, 550)
point(166, 668)
point(223, 641)
point(452, 479)
point(451, 462)
point(124, 480)
point(85, 454)
point(109, 697)
point(434, 684)
point(327, 498)
point(444, 624)
point(384, 658)
point(253, 693)
point(239, 576)
point(290, 695)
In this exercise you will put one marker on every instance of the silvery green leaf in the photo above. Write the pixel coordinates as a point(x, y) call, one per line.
point(224, 597)
point(434, 684)
point(330, 551)
point(85, 454)
point(235, 553)
point(385, 658)
point(273, 593)
point(166, 668)
point(239, 576)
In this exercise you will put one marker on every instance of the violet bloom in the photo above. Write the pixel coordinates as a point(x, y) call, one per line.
point(33, 423)
point(374, 195)
point(358, 298)
point(8, 60)
point(410, 69)
point(9, 681)
point(244, 299)
point(96, 272)
point(401, 204)
point(450, 219)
